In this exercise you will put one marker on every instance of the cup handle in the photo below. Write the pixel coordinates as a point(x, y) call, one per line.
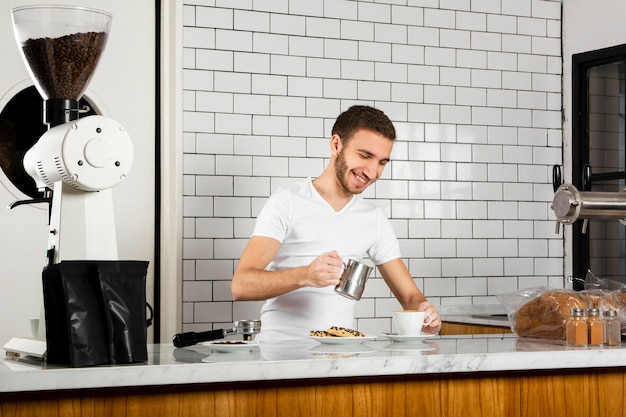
point(428, 320)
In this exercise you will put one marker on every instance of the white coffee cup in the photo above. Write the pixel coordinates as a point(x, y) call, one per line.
point(410, 322)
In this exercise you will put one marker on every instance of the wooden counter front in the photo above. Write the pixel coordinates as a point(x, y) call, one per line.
point(568, 393)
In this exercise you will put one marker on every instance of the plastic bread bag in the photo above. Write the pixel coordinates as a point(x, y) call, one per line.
point(541, 312)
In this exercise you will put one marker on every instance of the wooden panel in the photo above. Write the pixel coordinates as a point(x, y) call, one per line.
point(451, 328)
point(594, 393)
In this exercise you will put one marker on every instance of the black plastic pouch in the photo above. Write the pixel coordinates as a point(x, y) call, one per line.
point(95, 312)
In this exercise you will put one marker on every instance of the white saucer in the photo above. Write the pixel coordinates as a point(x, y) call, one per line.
point(342, 340)
point(401, 338)
point(231, 346)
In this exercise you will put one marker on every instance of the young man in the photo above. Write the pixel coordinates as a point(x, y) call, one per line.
point(294, 257)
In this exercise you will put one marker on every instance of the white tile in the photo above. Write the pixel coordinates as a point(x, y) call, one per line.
point(287, 24)
point(214, 185)
point(270, 43)
point(265, 166)
point(197, 248)
point(439, 94)
point(439, 287)
point(486, 191)
point(421, 229)
point(407, 170)
point(472, 134)
point(199, 164)
point(533, 248)
point(214, 228)
point(439, 210)
point(411, 248)
point(488, 229)
point(439, 18)
point(449, 38)
point(501, 23)
point(502, 248)
point(325, 28)
point(385, 71)
point(472, 209)
point(425, 268)
point(391, 189)
point(518, 266)
point(426, 190)
point(488, 267)
point(472, 172)
point(460, 267)
point(251, 186)
point(306, 8)
point(391, 33)
point(471, 248)
point(406, 15)
point(456, 152)
point(471, 21)
point(212, 312)
point(502, 173)
point(440, 171)
point(532, 63)
point(439, 56)
point(501, 98)
point(456, 190)
point(518, 192)
point(305, 167)
point(251, 145)
point(471, 96)
point(471, 286)
point(351, 71)
point(471, 59)
point(423, 36)
point(251, 21)
point(516, 80)
point(502, 209)
point(456, 229)
point(194, 37)
point(516, 7)
point(269, 84)
point(288, 65)
point(357, 30)
point(407, 209)
point(440, 132)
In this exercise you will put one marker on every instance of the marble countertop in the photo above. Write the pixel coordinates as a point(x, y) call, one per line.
point(306, 358)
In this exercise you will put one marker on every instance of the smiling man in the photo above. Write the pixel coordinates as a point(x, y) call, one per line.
point(303, 234)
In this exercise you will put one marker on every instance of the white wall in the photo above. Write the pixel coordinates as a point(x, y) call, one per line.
point(474, 88)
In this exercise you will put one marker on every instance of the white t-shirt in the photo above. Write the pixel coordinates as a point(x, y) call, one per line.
point(307, 226)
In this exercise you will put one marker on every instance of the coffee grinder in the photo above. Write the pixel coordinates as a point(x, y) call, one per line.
point(77, 161)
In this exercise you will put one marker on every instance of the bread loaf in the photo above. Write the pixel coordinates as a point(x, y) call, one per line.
point(546, 315)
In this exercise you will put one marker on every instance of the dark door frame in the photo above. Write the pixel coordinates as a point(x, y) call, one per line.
point(581, 64)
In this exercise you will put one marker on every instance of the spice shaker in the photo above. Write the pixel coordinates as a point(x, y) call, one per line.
point(612, 329)
point(576, 329)
point(595, 327)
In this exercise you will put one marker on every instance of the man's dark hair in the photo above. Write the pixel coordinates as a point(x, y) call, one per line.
point(363, 117)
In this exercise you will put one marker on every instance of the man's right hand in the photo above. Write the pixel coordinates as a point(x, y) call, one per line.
point(325, 270)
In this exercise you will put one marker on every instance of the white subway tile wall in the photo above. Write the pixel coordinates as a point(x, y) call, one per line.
point(474, 89)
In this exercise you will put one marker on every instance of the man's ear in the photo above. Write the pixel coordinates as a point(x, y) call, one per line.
point(335, 144)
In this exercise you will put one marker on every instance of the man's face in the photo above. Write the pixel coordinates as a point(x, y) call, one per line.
point(361, 161)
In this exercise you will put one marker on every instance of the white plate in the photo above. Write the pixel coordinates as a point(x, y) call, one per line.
point(343, 340)
point(408, 338)
point(232, 345)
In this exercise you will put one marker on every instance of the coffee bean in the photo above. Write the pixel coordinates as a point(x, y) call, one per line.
point(64, 65)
